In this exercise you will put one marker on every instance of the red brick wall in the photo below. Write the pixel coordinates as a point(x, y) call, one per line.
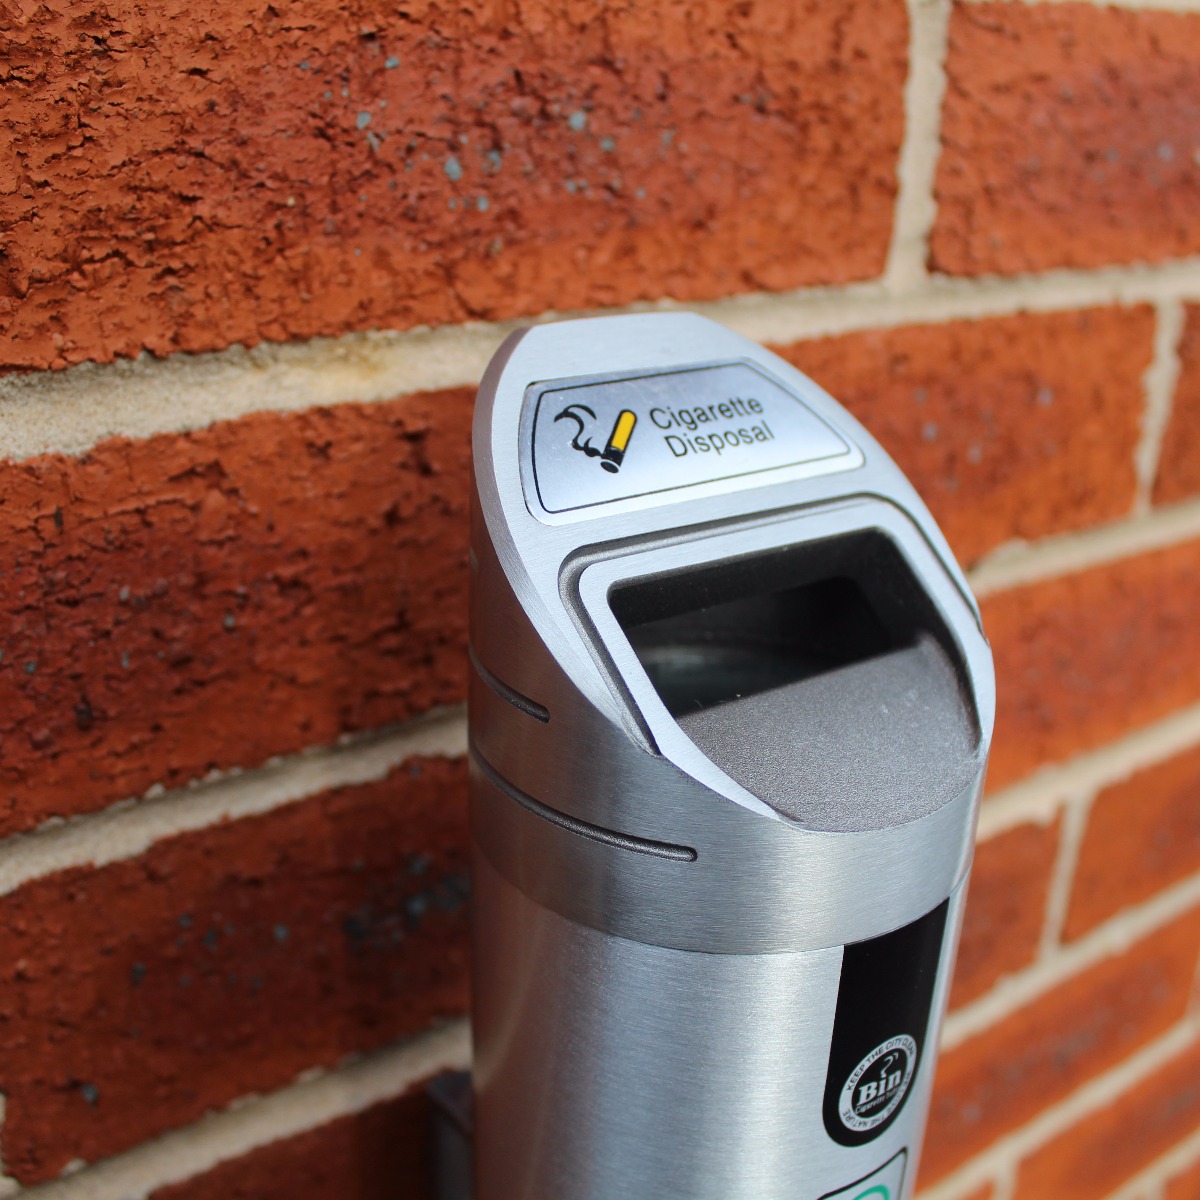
point(252, 259)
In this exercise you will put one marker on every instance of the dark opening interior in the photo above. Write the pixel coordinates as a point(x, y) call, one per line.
point(741, 647)
point(748, 625)
point(821, 676)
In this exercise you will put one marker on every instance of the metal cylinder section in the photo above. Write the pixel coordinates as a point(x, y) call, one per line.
point(607, 1068)
point(729, 720)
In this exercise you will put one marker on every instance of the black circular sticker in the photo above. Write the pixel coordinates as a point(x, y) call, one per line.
point(877, 1085)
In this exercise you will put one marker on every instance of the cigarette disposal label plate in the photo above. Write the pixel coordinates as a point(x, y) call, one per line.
point(595, 442)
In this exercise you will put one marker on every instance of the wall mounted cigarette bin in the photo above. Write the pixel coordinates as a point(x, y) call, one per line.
point(730, 712)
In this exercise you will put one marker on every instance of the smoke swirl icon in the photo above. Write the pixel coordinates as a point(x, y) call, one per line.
point(613, 453)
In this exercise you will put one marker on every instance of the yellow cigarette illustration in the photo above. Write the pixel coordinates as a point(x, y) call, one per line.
point(622, 431)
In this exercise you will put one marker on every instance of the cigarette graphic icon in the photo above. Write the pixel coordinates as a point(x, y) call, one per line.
point(618, 440)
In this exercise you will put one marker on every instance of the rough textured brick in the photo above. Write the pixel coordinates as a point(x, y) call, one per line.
point(1068, 138)
point(1185, 1186)
point(380, 1154)
point(278, 171)
point(1088, 657)
point(1143, 835)
point(1003, 1077)
point(1179, 462)
point(1006, 907)
point(212, 599)
point(1014, 427)
point(137, 996)
point(1094, 1157)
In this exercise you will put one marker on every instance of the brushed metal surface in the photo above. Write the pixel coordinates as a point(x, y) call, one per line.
point(760, 882)
point(529, 546)
point(747, 891)
point(606, 1069)
point(883, 1184)
point(656, 1025)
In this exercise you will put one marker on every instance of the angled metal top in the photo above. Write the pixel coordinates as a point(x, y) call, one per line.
point(583, 497)
point(545, 501)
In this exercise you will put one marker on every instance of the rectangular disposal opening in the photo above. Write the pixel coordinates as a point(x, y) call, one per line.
point(725, 650)
point(821, 676)
point(740, 627)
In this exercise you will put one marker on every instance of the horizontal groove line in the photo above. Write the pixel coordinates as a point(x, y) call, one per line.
point(69, 411)
point(519, 701)
point(595, 833)
point(126, 828)
point(129, 828)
